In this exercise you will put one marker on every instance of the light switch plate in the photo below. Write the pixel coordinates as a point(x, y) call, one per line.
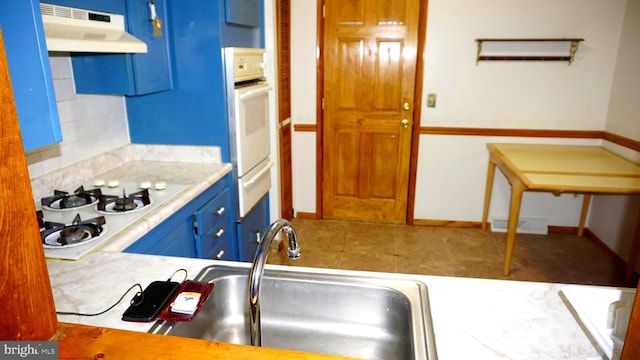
point(431, 100)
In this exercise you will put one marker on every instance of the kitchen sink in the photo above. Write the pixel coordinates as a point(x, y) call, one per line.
point(370, 317)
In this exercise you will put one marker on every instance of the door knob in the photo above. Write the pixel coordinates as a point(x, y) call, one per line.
point(406, 106)
point(405, 123)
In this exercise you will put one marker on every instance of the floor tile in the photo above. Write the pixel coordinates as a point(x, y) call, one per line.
point(464, 252)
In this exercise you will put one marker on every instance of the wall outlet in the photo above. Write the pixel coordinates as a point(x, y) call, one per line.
point(431, 100)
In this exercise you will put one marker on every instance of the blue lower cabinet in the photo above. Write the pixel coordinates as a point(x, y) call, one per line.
point(214, 237)
point(203, 228)
point(178, 241)
point(251, 229)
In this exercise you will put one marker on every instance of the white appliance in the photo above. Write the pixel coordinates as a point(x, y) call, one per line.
point(248, 93)
point(78, 30)
point(114, 222)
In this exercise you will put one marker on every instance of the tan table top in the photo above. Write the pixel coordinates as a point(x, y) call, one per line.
point(570, 168)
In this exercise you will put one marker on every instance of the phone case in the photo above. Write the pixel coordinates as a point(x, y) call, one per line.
point(197, 289)
point(154, 298)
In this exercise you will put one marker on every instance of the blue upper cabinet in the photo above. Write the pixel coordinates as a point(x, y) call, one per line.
point(30, 72)
point(194, 111)
point(130, 74)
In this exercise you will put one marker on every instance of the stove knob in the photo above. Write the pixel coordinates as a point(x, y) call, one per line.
point(145, 185)
point(161, 185)
point(113, 183)
point(98, 183)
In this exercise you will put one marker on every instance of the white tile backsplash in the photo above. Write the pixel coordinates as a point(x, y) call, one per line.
point(91, 124)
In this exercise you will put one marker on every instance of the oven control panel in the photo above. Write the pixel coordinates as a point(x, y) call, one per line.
point(248, 64)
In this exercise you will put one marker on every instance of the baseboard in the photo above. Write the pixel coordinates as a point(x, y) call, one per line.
point(448, 223)
point(305, 215)
point(596, 240)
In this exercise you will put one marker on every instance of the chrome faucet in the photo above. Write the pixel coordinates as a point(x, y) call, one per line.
point(257, 270)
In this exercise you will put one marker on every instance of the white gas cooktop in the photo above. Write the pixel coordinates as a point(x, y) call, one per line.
point(115, 222)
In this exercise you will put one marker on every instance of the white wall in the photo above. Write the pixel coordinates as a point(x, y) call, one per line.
point(91, 124)
point(303, 103)
point(271, 71)
point(613, 218)
point(624, 107)
point(522, 95)
point(545, 95)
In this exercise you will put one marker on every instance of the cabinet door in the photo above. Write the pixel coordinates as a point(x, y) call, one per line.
point(175, 240)
point(251, 230)
point(151, 71)
point(178, 242)
point(129, 74)
point(30, 72)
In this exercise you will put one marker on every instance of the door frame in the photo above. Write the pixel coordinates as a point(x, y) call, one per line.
point(415, 128)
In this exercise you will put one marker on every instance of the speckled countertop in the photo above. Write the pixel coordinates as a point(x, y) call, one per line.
point(472, 318)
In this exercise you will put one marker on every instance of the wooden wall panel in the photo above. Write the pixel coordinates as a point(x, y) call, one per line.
point(28, 310)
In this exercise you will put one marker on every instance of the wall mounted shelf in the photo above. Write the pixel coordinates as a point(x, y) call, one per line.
point(527, 49)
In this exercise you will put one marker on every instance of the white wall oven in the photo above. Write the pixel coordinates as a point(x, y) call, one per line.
point(248, 112)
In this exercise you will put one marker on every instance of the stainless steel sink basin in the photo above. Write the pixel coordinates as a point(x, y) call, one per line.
point(353, 316)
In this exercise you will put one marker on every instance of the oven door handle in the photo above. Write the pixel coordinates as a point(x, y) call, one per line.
point(254, 93)
point(258, 175)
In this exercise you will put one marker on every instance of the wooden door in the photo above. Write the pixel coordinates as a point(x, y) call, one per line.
point(369, 79)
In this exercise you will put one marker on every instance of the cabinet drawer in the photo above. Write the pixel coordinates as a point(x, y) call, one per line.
point(217, 248)
point(213, 228)
point(215, 213)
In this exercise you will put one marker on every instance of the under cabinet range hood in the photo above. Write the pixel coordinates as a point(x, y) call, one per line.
point(77, 30)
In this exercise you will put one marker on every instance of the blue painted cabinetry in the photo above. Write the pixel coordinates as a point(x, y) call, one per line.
point(194, 111)
point(129, 74)
point(172, 238)
point(30, 72)
point(191, 231)
point(214, 235)
point(251, 230)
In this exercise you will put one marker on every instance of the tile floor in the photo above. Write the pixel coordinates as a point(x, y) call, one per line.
point(560, 258)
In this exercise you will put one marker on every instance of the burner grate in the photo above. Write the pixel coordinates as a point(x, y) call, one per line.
point(113, 204)
point(79, 231)
point(63, 200)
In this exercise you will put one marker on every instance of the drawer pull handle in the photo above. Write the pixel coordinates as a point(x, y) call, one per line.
point(219, 255)
point(219, 233)
point(220, 211)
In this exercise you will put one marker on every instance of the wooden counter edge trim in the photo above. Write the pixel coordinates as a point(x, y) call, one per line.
point(569, 134)
point(88, 342)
